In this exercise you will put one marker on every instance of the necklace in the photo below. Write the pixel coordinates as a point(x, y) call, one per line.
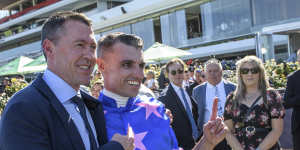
point(251, 96)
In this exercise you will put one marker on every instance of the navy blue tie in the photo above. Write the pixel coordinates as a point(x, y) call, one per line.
point(189, 113)
point(80, 105)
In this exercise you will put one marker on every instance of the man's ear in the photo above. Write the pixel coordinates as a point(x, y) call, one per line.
point(48, 47)
point(100, 64)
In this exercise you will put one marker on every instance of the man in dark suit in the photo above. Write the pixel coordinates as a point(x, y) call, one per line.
point(205, 93)
point(182, 106)
point(292, 100)
point(53, 113)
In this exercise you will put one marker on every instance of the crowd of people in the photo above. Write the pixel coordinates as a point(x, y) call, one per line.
point(129, 108)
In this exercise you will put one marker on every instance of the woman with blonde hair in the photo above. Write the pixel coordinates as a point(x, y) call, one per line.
point(253, 112)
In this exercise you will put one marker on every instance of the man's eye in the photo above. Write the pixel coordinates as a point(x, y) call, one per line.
point(93, 46)
point(79, 44)
point(126, 65)
point(142, 65)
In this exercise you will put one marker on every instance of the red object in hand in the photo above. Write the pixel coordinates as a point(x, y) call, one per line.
point(214, 109)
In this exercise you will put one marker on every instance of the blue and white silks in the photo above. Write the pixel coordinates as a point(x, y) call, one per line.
point(146, 116)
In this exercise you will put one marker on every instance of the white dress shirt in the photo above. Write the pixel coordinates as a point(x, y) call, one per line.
point(178, 92)
point(64, 92)
point(210, 95)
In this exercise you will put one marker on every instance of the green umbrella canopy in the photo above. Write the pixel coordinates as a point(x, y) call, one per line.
point(37, 65)
point(37, 62)
point(14, 66)
point(160, 52)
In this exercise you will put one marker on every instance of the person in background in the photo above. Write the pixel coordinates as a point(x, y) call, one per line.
point(150, 81)
point(162, 80)
point(52, 113)
point(120, 60)
point(191, 70)
point(5, 83)
point(186, 79)
point(182, 106)
point(199, 78)
point(254, 112)
point(96, 88)
point(204, 94)
point(292, 100)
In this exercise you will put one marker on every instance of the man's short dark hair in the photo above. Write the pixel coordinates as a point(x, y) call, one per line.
point(107, 41)
point(53, 27)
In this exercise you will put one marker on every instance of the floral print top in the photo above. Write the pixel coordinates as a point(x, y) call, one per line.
point(260, 118)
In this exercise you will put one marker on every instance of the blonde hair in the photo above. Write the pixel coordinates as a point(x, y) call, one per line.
point(263, 83)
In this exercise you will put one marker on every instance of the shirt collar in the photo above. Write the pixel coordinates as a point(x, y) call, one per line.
point(176, 88)
point(62, 90)
point(120, 100)
point(219, 85)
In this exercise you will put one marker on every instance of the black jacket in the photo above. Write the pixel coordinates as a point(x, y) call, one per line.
point(181, 124)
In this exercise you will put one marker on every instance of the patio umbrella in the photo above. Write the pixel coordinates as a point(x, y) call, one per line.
point(37, 65)
point(160, 52)
point(15, 66)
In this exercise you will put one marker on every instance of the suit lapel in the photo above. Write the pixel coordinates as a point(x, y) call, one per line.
point(202, 105)
point(64, 116)
point(204, 96)
point(194, 109)
point(227, 87)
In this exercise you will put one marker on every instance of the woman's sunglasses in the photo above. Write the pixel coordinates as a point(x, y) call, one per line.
point(252, 70)
point(179, 71)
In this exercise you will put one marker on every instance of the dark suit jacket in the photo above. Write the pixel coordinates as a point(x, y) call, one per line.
point(181, 123)
point(191, 87)
point(34, 119)
point(292, 100)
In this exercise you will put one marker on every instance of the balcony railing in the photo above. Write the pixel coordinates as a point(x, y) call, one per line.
point(29, 9)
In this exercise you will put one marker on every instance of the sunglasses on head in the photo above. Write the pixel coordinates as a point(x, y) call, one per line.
point(252, 70)
point(179, 71)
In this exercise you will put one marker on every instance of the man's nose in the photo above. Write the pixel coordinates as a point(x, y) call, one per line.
point(90, 54)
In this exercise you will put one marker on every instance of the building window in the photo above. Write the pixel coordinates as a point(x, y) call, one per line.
point(39, 1)
point(15, 10)
point(193, 22)
point(87, 8)
point(157, 29)
point(112, 4)
point(281, 52)
point(27, 4)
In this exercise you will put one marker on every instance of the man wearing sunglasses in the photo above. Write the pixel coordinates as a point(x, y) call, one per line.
point(204, 94)
point(182, 106)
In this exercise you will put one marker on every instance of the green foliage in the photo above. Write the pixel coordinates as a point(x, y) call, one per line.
point(14, 87)
point(3, 100)
point(277, 73)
